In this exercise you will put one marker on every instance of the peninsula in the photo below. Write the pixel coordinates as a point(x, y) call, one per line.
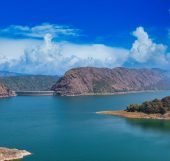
point(12, 154)
point(155, 109)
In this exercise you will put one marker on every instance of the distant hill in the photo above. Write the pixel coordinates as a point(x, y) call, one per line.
point(29, 82)
point(7, 73)
point(91, 81)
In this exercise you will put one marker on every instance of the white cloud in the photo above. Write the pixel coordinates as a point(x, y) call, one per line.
point(38, 31)
point(14, 48)
point(37, 56)
point(56, 58)
point(144, 50)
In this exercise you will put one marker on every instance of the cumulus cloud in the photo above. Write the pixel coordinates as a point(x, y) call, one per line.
point(55, 58)
point(46, 56)
point(38, 31)
point(145, 51)
point(14, 48)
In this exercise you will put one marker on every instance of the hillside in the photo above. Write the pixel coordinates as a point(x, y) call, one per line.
point(29, 83)
point(89, 80)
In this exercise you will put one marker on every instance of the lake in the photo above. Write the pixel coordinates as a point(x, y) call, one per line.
point(67, 129)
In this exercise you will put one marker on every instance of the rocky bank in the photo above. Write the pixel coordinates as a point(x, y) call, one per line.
point(12, 154)
point(6, 92)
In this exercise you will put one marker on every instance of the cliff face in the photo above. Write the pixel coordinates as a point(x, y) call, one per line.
point(5, 92)
point(88, 80)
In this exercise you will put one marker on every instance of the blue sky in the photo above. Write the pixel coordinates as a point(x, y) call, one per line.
point(52, 36)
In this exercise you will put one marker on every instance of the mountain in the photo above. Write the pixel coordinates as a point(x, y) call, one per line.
point(91, 81)
point(29, 82)
point(7, 73)
point(5, 92)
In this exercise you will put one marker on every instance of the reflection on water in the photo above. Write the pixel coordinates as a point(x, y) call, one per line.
point(156, 125)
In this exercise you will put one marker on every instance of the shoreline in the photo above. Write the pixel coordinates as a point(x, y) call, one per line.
point(52, 93)
point(12, 94)
point(136, 115)
point(34, 93)
point(110, 94)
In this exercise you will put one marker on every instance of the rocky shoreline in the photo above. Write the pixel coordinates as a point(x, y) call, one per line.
point(110, 94)
point(12, 154)
point(136, 115)
point(12, 94)
point(6, 92)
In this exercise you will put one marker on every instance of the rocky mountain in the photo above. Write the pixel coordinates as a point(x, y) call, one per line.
point(5, 92)
point(91, 81)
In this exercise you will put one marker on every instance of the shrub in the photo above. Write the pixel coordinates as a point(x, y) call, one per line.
point(151, 107)
point(133, 108)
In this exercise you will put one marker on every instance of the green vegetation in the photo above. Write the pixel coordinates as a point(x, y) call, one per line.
point(29, 83)
point(101, 86)
point(151, 107)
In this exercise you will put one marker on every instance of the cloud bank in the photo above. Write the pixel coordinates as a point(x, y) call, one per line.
point(56, 58)
point(46, 56)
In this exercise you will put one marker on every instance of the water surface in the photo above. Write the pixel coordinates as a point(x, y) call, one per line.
point(67, 129)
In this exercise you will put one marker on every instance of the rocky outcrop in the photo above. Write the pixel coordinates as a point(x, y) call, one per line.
point(89, 81)
point(6, 92)
point(12, 154)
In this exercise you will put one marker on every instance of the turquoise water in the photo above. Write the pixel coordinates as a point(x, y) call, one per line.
point(67, 129)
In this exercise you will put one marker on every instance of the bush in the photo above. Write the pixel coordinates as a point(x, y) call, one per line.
point(133, 108)
point(151, 107)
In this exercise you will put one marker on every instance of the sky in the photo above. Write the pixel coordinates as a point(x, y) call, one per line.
point(53, 36)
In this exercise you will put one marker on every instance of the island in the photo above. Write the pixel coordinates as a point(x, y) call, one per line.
point(155, 109)
point(12, 154)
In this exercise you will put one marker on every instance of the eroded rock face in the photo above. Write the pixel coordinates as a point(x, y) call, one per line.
point(12, 154)
point(89, 80)
point(6, 92)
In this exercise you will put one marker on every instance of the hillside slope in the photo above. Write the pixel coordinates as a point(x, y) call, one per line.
point(29, 83)
point(89, 80)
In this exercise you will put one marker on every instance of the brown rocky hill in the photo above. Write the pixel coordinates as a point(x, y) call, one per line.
point(5, 92)
point(90, 80)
